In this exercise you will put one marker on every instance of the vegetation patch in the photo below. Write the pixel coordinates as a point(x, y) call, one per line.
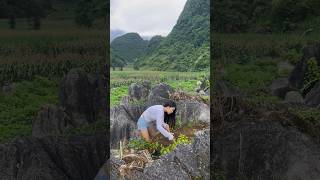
point(20, 107)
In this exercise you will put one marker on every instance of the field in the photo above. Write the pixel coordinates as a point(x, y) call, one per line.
point(121, 80)
point(251, 61)
point(34, 61)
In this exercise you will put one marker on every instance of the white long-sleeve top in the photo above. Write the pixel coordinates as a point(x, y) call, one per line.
point(156, 113)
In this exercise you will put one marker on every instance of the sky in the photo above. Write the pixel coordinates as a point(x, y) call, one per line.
point(146, 17)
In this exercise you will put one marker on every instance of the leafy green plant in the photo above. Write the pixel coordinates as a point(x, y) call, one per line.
point(140, 144)
point(313, 72)
point(178, 122)
point(182, 139)
point(20, 107)
point(310, 115)
point(292, 56)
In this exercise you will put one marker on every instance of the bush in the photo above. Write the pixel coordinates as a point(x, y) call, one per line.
point(182, 139)
point(140, 144)
point(293, 56)
point(313, 72)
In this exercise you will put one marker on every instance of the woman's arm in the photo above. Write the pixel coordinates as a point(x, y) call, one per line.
point(160, 128)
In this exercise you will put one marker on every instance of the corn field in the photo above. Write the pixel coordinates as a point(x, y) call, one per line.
point(49, 54)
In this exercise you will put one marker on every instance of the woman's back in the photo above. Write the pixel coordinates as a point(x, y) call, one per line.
point(153, 113)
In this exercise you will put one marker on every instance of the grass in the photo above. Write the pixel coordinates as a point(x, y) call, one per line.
point(121, 80)
point(35, 60)
point(18, 109)
point(311, 115)
point(116, 94)
point(251, 77)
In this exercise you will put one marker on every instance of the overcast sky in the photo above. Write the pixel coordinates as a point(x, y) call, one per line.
point(146, 17)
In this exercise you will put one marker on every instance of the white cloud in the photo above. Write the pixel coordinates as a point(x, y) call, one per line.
point(146, 17)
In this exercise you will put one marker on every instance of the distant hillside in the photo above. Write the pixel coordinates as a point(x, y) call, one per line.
point(129, 47)
point(265, 16)
point(115, 33)
point(187, 46)
point(153, 44)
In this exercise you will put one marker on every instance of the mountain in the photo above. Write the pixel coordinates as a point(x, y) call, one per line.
point(153, 44)
point(129, 47)
point(115, 33)
point(187, 45)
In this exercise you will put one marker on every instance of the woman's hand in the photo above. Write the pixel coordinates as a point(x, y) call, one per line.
point(171, 138)
point(166, 126)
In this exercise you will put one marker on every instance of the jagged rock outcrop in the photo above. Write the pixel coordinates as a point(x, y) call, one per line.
point(265, 142)
point(193, 111)
point(51, 120)
point(161, 90)
point(313, 97)
point(81, 94)
point(53, 158)
point(82, 101)
point(280, 87)
point(123, 121)
point(185, 162)
point(294, 97)
point(139, 91)
point(50, 154)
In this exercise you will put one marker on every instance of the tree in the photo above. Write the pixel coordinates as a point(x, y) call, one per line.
point(136, 64)
point(85, 13)
point(34, 10)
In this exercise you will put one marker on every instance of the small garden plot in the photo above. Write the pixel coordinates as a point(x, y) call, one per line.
point(137, 152)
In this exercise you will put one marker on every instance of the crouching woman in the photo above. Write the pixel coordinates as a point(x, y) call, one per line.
point(164, 116)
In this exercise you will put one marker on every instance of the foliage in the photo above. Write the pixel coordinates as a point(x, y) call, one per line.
point(313, 72)
point(19, 108)
point(293, 56)
point(310, 114)
point(182, 139)
point(34, 63)
point(31, 9)
point(262, 15)
point(87, 11)
point(141, 144)
point(128, 47)
point(50, 54)
point(116, 94)
point(120, 81)
point(251, 77)
point(186, 48)
point(116, 60)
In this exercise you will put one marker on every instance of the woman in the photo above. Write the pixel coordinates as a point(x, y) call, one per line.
point(163, 115)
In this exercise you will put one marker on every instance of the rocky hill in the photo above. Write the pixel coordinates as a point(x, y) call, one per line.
point(62, 146)
point(187, 45)
point(128, 47)
point(185, 48)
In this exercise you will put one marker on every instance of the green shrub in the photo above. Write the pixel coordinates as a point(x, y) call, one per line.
point(292, 56)
point(182, 139)
point(311, 115)
point(140, 144)
point(313, 72)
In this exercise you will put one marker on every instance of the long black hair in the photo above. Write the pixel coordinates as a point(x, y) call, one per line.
point(170, 119)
